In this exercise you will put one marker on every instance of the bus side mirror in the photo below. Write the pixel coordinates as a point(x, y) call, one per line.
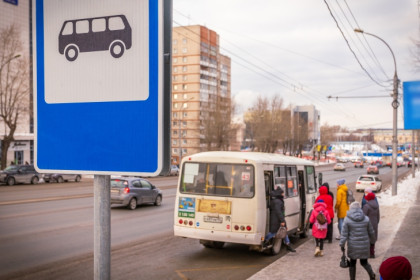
point(320, 179)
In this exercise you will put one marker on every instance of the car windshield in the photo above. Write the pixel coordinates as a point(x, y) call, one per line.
point(117, 183)
point(365, 179)
point(11, 168)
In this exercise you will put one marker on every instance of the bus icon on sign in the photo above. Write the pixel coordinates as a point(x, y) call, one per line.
point(111, 33)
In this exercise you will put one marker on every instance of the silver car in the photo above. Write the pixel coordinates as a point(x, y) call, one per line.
point(60, 178)
point(133, 191)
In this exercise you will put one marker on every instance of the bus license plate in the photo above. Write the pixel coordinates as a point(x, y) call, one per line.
point(213, 219)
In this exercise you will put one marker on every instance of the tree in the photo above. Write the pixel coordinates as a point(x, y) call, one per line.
point(218, 129)
point(268, 124)
point(14, 85)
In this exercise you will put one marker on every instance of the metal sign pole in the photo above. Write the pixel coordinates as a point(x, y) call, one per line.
point(413, 156)
point(102, 227)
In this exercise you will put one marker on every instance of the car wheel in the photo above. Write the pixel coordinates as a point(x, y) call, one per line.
point(71, 53)
point(11, 181)
point(116, 49)
point(158, 200)
point(60, 179)
point(78, 178)
point(35, 180)
point(46, 181)
point(132, 204)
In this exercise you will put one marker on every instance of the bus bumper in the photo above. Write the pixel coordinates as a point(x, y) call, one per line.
point(221, 236)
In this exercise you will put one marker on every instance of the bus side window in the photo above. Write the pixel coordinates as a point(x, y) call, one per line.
point(82, 26)
point(98, 25)
point(116, 23)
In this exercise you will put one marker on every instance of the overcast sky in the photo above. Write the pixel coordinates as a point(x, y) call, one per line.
point(295, 50)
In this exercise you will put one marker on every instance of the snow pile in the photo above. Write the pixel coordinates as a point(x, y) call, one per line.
point(406, 193)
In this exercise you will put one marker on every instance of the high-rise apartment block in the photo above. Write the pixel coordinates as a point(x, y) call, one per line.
point(201, 79)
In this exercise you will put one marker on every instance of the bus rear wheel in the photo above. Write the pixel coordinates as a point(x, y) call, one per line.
point(117, 49)
point(212, 244)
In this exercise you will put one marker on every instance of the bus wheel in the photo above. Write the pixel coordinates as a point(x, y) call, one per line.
point(117, 49)
point(71, 53)
point(218, 245)
point(276, 246)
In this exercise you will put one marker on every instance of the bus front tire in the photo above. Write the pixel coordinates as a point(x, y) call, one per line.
point(71, 53)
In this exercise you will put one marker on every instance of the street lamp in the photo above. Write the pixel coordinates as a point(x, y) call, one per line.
point(395, 105)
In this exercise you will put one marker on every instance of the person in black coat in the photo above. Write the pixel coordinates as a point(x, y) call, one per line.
point(277, 219)
point(330, 225)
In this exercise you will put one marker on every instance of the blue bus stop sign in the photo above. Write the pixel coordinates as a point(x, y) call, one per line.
point(99, 98)
point(411, 91)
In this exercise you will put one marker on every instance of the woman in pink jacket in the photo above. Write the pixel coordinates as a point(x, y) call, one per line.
point(319, 230)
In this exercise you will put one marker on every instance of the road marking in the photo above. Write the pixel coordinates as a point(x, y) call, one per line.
point(45, 199)
point(184, 277)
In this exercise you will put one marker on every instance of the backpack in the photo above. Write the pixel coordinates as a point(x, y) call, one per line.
point(350, 197)
point(321, 218)
point(321, 221)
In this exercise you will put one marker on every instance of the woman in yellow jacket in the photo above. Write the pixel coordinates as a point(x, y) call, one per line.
point(341, 206)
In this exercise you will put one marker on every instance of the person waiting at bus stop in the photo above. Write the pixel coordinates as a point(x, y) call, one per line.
point(277, 219)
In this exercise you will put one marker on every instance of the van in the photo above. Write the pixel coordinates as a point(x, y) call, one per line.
point(111, 33)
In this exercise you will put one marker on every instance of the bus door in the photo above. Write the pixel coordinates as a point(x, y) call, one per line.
point(302, 195)
point(268, 182)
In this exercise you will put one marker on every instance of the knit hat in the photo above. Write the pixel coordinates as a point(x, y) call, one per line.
point(396, 268)
point(355, 205)
point(368, 190)
point(370, 196)
point(341, 182)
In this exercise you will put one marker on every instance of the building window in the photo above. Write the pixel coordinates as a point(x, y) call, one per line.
point(184, 68)
point(184, 123)
point(185, 114)
point(175, 69)
point(174, 142)
point(174, 78)
point(184, 50)
point(175, 115)
point(175, 60)
point(185, 105)
point(175, 87)
point(175, 50)
point(175, 123)
point(185, 96)
point(175, 105)
point(175, 151)
point(184, 141)
point(175, 42)
point(184, 40)
point(184, 151)
point(184, 59)
point(175, 132)
point(175, 96)
point(184, 87)
point(184, 78)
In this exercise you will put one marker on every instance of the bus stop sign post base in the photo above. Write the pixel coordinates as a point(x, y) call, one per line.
point(102, 227)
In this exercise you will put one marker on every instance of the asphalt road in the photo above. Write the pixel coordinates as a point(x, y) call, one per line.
point(46, 232)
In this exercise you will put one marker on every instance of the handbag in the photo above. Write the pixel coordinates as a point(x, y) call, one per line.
point(344, 263)
point(281, 233)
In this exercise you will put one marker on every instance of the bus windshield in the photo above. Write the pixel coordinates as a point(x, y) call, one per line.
point(216, 179)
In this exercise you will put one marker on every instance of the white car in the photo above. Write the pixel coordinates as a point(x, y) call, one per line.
point(369, 181)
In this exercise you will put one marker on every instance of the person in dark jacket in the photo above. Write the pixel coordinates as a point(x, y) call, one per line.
point(328, 197)
point(367, 191)
point(371, 210)
point(358, 233)
point(277, 219)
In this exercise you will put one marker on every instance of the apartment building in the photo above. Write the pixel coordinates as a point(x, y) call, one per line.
point(201, 79)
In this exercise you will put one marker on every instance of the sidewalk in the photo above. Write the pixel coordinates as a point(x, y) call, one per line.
point(399, 234)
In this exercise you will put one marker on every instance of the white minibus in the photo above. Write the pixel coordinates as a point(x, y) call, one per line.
point(225, 197)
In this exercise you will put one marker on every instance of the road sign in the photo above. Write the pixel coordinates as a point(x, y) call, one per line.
point(411, 91)
point(99, 101)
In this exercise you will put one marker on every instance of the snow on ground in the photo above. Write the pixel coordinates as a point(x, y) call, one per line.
point(406, 193)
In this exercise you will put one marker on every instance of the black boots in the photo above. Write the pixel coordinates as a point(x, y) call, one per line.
point(369, 270)
point(352, 271)
point(289, 248)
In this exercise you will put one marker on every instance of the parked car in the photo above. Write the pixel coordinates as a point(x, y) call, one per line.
point(174, 171)
point(18, 174)
point(60, 178)
point(133, 191)
point(358, 164)
point(372, 169)
point(339, 167)
point(368, 181)
point(410, 162)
